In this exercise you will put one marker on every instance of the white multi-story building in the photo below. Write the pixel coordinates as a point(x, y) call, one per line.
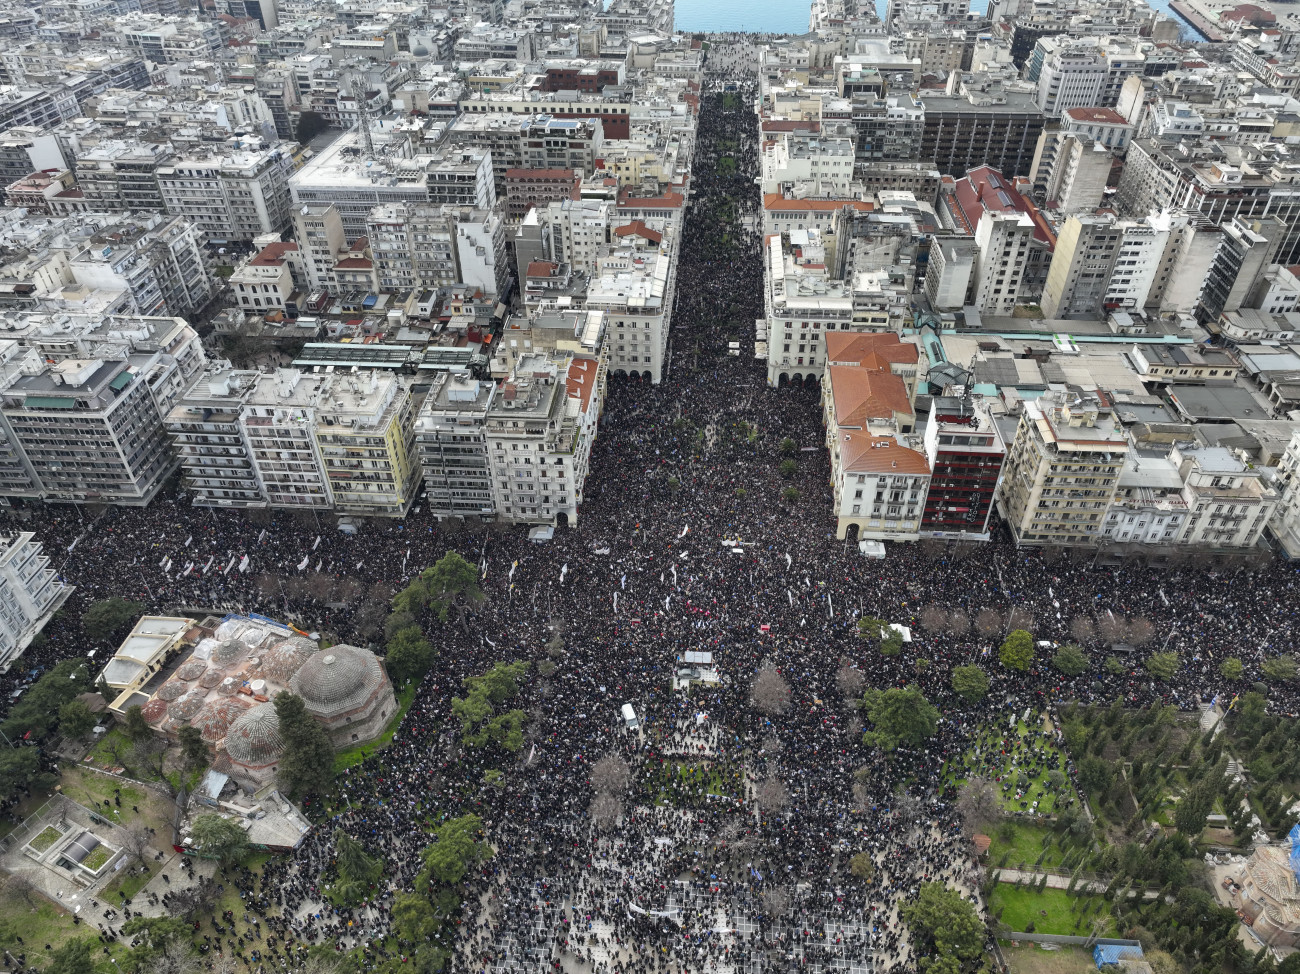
point(157, 260)
point(539, 435)
point(30, 593)
point(1149, 507)
point(1229, 504)
point(301, 441)
point(1061, 471)
point(318, 231)
point(1004, 241)
point(634, 286)
point(234, 196)
point(579, 230)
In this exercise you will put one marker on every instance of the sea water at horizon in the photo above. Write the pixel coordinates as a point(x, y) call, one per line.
point(776, 16)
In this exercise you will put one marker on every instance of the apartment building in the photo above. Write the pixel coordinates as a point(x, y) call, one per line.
point(634, 285)
point(560, 143)
point(341, 174)
point(999, 129)
point(539, 434)
point(265, 282)
point(91, 429)
point(1062, 470)
point(1229, 504)
point(116, 176)
point(535, 188)
point(158, 263)
point(965, 455)
point(1149, 507)
point(233, 196)
point(30, 593)
point(1079, 276)
point(451, 437)
point(318, 231)
point(295, 440)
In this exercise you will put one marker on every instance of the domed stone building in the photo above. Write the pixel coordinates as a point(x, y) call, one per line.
point(346, 689)
point(253, 742)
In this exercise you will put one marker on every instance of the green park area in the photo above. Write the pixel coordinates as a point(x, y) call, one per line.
point(1023, 763)
point(1054, 911)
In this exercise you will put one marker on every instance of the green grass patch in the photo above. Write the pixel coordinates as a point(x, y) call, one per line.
point(1023, 843)
point(98, 857)
point(129, 881)
point(1051, 911)
point(46, 838)
point(225, 271)
point(1004, 757)
point(92, 790)
point(48, 924)
point(350, 756)
point(686, 785)
point(99, 753)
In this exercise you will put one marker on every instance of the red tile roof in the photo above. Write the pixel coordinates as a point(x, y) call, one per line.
point(873, 350)
point(638, 229)
point(1105, 116)
point(580, 382)
point(861, 395)
point(864, 453)
point(273, 254)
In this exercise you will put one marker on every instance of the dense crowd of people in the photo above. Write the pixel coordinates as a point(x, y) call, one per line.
point(686, 542)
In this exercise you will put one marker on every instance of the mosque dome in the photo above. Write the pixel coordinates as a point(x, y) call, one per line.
point(254, 737)
point(216, 716)
point(338, 680)
point(282, 660)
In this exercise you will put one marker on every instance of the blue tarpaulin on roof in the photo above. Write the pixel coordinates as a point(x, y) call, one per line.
point(1295, 850)
point(1105, 954)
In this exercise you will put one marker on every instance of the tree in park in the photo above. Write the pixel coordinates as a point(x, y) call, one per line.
point(970, 683)
point(1017, 650)
point(977, 803)
point(358, 870)
point(1070, 660)
point(946, 930)
point(899, 715)
point(787, 469)
point(879, 632)
point(862, 866)
point(1095, 775)
point(479, 721)
point(108, 616)
point(219, 838)
point(408, 655)
point(74, 957)
point(137, 728)
point(193, 748)
point(1231, 668)
point(307, 765)
point(1191, 811)
point(459, 847)
point(75, 720)
point(19, 766)
point(1162, 666)
point(151, 938)
point(771, 692)
point(1279, 669)
point(850, 680)
point(37, 711)
point(443, 586)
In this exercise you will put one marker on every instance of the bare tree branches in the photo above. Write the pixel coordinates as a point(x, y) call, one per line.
point(958, 622)
point(988, 622)
point(850, 681)
point(610, 775)
point(1082, 630)
point(933, 618)
point(977, 803)
point(1020, 618)
point(772, 795)
point(605, 811)
point(771, 693)
point(1141, 631)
